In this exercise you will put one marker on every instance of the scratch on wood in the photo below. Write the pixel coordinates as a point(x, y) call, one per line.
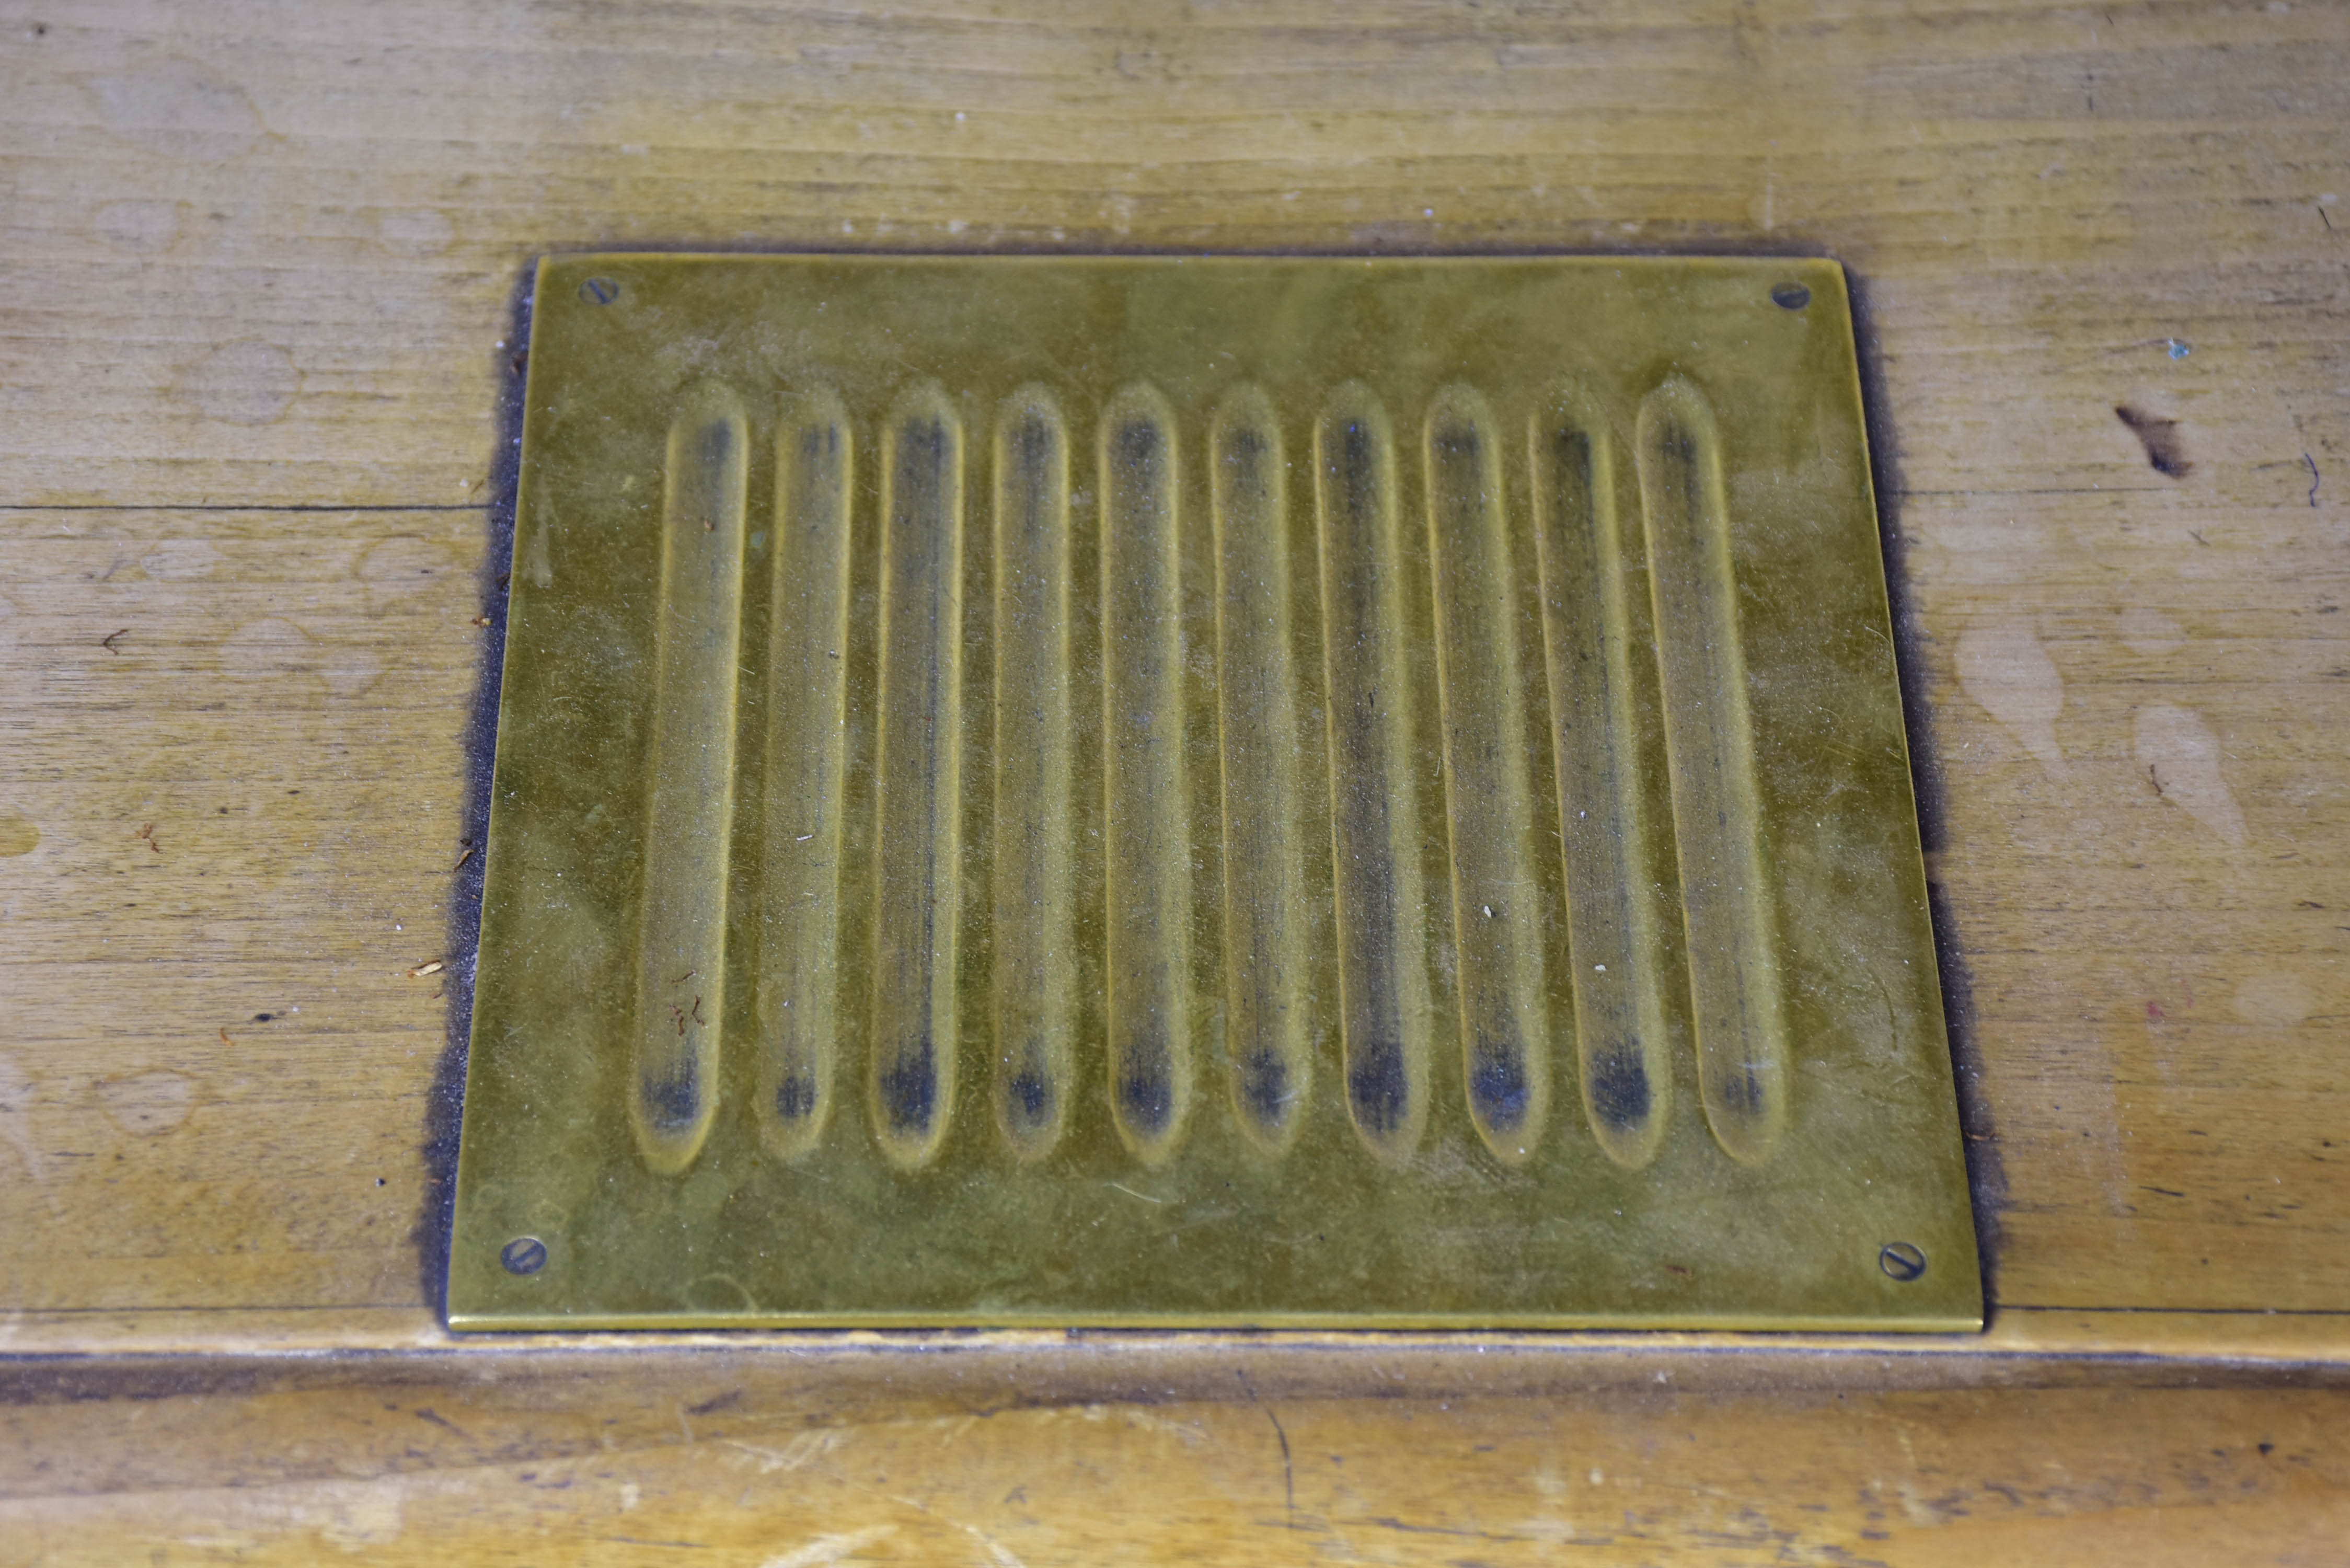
point(826, 1549)
point(1385, 1522)
point(803, 1449)
point(1288, 1468)
point(107, 642)
point(425, 1413)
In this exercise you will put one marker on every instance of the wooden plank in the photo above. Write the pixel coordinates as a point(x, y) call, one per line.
point(1252, 1456)
point(267, 259)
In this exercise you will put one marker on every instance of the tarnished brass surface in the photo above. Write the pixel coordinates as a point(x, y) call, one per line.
point(1174, 791)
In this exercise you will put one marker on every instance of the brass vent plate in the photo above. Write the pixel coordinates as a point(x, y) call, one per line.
point(1045, 790)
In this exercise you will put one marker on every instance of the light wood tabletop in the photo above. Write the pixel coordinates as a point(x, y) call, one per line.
point(263, 304)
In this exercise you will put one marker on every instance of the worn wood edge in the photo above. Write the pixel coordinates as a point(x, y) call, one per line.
point(2246, 1339)
point(896, 1376)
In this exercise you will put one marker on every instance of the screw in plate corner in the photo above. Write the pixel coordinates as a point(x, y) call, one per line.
point(523, 1255)
point(1901, 1260)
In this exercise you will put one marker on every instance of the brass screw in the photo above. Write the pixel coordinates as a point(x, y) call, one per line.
point(523, 1255)
point(1901, 1260)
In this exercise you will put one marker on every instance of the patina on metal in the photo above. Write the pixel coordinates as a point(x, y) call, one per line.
point(1155, 790)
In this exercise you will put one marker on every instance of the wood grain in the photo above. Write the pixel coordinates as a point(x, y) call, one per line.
point(260, 282)
point(1070, 1454)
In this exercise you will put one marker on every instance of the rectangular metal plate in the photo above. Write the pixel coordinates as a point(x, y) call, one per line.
point(1173, 791)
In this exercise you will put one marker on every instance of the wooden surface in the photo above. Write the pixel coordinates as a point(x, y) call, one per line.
point(260, 277)
point(1079, 1455)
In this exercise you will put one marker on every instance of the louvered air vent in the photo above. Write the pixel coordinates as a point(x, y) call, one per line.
point(1155, 790)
